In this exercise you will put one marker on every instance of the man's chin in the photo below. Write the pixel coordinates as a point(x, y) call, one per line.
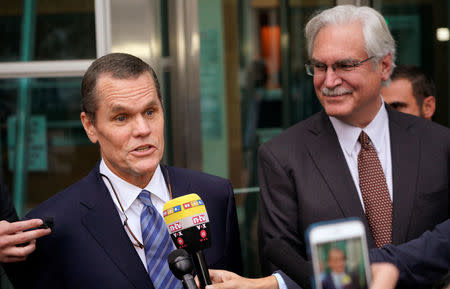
point(335, 111)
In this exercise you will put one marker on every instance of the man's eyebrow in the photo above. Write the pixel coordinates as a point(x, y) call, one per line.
point(121, 108)
point(118, 108)
point(398, 104)
point(313, 60)
point(346, 60)
point(152, 103)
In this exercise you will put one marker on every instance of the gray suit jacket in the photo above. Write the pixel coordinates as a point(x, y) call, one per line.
point(304, 178)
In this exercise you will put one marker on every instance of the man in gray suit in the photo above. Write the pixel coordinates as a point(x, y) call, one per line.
point(316, 170)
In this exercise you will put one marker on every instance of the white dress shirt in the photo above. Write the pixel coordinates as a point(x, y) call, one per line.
point(128, 195)
point(378, 132)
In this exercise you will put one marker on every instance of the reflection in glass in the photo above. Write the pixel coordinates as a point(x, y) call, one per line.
point(57, 30)
point(58, 151)
point(263, 94)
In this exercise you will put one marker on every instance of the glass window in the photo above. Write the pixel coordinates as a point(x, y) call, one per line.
point(414, 26)
point(58, 152)
point(47, 30)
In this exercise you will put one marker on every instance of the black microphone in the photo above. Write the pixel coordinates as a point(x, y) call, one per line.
point(181, 266)
point(188, 224)
point(282, 255)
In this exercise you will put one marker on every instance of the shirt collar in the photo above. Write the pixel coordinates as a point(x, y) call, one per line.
point(348, 134)
point(128, 193)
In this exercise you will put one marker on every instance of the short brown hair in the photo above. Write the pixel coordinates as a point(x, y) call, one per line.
point(422, 85)
point(120, 66)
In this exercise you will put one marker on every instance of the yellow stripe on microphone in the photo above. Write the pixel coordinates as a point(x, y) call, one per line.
point(183, 207)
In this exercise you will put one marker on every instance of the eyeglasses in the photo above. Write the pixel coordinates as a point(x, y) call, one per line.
point(136, 242)
point(340, 67)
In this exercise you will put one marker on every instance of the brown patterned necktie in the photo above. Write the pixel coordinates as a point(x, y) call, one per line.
point(375, 193)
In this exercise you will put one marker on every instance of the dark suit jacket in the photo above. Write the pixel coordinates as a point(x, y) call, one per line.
point(89, 248)
point(304, 178)
point(7, 210)
point(421, 261)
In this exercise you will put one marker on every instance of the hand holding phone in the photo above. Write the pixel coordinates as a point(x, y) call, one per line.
point(339, 254)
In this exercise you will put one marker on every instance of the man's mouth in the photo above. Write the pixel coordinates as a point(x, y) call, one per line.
point(335, 92)
point(142, 149)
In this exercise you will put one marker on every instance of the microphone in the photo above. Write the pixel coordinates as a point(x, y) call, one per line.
point(188, 224)
point(181, 266)
point(282, 255)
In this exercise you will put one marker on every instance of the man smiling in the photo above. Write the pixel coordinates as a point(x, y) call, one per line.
point(108, 229)
point(357, 157)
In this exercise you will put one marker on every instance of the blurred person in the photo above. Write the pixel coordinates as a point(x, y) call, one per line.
point(357, 157)
point(338, 277)
point(411, 91)
point(109, 231)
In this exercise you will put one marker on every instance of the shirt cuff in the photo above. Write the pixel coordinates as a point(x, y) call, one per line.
point(280, 281)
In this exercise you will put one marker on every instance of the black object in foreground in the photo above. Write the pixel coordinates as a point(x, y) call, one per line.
point(181, 266)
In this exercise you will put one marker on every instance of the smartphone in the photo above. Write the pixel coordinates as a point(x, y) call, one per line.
point(339, 254)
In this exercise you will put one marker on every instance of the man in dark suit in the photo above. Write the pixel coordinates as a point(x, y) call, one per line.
point(317, 171)
point(102, 237)
point(421, 261)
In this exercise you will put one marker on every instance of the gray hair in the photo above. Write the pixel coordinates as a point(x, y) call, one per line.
point(377, 37)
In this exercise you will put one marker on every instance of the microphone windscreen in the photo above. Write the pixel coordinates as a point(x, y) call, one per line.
point(282, 255)
point(188, 223)
point(180, 263)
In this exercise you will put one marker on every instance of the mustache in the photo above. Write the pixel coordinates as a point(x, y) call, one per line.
point(335, 91)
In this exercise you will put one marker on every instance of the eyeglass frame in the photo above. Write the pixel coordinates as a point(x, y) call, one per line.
point(309, 67)
point(138, 244)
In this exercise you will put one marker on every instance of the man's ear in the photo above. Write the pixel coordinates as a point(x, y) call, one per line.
point(89, 127)
point(386, 66)
point(428, 107)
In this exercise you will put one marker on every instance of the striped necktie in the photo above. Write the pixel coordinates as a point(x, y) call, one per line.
point(157, 245)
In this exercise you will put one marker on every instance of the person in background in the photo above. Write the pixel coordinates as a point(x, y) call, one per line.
point(411, 91)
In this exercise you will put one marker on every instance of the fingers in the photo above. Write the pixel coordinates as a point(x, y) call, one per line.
point(12, 234)
point(16, 254)
point(22, 237)
point(384, 276)
point(217, 276)
point(10, 228)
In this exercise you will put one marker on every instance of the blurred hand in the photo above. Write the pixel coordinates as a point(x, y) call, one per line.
point(12, 234)
point(384, 276)
point(222, 279)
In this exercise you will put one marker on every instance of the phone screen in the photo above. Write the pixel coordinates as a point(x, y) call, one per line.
point(340, 264)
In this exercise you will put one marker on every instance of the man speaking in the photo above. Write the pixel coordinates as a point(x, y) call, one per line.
point(108, 231)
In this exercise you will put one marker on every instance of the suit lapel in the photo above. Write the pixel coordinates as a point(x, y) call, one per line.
point(405, 149)
point(327, 154)
point(178, 184)
point(105, 225)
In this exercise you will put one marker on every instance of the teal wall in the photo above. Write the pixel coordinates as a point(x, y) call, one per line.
point(212, 88)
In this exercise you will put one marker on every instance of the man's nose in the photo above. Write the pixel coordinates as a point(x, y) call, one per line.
point(142, 126)
point(331, 78)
